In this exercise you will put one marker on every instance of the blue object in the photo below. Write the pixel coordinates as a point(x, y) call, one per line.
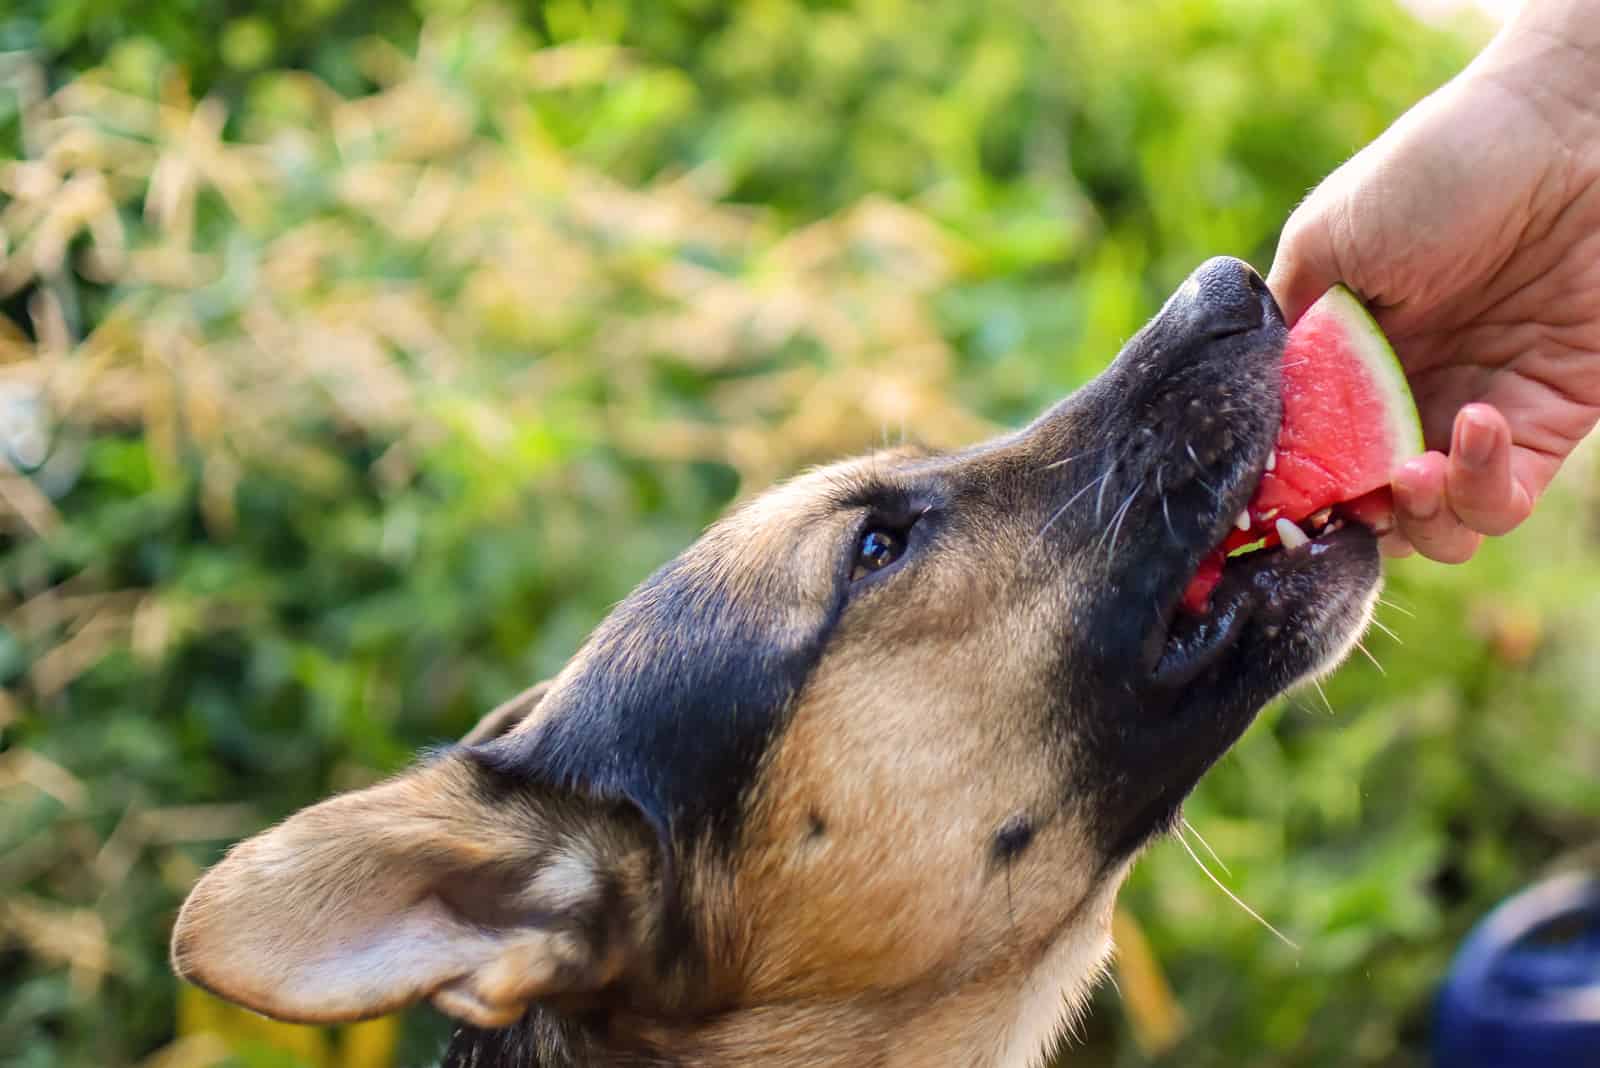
point(1524, 989)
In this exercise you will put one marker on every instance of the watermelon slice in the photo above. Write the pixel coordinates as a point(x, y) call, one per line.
point(1348, 423)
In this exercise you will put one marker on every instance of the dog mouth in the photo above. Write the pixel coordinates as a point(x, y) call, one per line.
point(1278, 613)
point(1258, 593)
point(1214, 606)
point(1273, 582)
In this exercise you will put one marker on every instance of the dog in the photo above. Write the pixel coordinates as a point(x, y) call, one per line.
point(852, 781)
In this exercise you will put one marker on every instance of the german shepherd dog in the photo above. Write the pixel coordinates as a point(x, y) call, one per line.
point(854, 780)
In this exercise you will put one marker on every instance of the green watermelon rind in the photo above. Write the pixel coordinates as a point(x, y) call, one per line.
point(1372, 348)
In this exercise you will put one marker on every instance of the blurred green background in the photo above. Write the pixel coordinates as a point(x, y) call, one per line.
point(355, 357)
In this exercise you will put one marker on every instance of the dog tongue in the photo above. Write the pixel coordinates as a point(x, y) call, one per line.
point(1348, 422)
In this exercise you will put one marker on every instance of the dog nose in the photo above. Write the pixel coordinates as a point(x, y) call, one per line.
point(1227, 297)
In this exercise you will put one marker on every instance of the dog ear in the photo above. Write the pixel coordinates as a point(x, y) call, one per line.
point(506, 716)
point(442, 884)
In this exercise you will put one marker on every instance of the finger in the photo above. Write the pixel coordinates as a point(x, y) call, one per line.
point(1395, 546)
point(1479, 487)
point(1422, 516)
point(1303, 268)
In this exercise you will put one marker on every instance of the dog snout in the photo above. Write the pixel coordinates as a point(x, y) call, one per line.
point(1225, 296)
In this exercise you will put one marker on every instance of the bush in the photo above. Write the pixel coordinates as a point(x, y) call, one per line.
point(337, 408)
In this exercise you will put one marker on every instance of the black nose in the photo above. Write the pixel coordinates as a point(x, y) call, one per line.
point(1228, 297)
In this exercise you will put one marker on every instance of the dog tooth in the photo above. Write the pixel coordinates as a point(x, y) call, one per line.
point(1243, 522)
point(1291, 536)
point(1320, 519)
point(1272, 459)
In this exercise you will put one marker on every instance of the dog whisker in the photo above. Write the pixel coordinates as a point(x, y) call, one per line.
point(1392, 635)
point(1215, 496)
point(1100, 497)
point(1300, 707)
point(1059, 512)
point(1252, 913)
point(1122, 514)
point(1368, 654)
point(1324, 695)
point(1209, 487)
point(1192, 829)
point(1073, 458)
point(1001, 589)
point(1166, 512)
point(1397, 607)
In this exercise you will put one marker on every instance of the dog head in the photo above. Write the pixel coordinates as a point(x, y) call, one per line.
point(877, 750)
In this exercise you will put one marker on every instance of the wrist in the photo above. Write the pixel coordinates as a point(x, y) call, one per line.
point(1574, 21)
point(1556, 40)
point(1549, 54)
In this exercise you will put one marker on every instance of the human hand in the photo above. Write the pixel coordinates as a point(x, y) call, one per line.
point(1472, 229)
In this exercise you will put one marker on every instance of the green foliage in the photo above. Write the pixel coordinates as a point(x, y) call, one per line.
point(216, 44)
point(362, 403)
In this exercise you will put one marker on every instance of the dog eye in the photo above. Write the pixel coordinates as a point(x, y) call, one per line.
point(878, 549)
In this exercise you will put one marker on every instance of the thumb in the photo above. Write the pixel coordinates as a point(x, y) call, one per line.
point(1304, 266)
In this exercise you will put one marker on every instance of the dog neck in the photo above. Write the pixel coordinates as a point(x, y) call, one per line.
point(1003, 1021)
point(961, 1030)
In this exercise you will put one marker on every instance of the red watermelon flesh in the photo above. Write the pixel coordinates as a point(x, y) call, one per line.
point(1348, 422)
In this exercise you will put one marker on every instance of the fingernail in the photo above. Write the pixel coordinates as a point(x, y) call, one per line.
point(1423, 501)
point(1475, 442)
